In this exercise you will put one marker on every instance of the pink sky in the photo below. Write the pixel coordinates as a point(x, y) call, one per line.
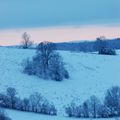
point(59, 34)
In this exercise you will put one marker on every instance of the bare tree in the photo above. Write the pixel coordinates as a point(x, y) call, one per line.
point(26, 105)
point(35, 102)
point(94, 105)
point(26, 42)
point(11, 94)
point(85, 107)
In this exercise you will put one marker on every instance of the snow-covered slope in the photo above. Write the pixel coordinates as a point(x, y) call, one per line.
point(90, 74)
point(17, 115)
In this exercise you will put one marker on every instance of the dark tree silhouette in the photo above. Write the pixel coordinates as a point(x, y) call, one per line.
point(26, 42)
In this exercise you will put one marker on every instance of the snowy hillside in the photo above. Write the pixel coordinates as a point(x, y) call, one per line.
point(90, 74)
point(16, 115)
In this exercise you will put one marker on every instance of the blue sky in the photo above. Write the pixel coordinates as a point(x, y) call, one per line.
point(40, 13)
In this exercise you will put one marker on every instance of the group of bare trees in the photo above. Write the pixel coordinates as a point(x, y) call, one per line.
point(103, 47)
point(94, 108)
point(88, 109)
point(35, 103)
point(91, 108)
point(47, 63)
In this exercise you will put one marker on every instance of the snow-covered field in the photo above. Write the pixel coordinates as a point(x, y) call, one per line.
point(90, 74)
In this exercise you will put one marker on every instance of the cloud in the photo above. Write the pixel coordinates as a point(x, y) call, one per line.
point(38, 13)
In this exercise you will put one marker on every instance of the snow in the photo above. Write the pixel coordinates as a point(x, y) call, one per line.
point(90, 74)
point(16, 115)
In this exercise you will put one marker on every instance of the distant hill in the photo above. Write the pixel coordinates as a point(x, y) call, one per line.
point(85, 45)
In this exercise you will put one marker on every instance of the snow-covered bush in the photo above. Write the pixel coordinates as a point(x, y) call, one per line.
point(47, 63)
point(57, 70)
point(107, 51)
point(3, 115)
point(28, 67)
point(102, 47)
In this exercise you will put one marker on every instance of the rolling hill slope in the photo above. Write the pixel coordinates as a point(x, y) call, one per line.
point(90, 74)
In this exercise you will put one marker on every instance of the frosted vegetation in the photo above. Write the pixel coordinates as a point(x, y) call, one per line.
point(103, 47)
point(90, 108)
point(47, 63)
